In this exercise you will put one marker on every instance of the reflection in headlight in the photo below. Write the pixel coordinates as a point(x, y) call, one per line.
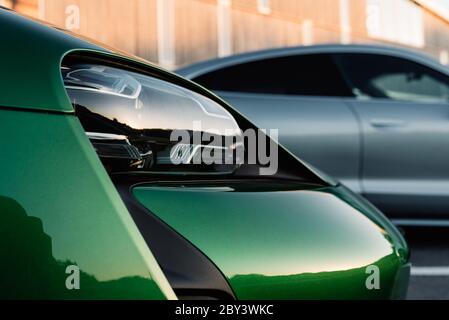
point(129, 118)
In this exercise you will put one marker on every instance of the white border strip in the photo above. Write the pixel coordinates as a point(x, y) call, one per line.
point(430, 271)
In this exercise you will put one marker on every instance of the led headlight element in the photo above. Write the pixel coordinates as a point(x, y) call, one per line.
point(130, 119)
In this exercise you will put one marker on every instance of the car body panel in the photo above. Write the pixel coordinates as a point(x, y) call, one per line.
point(405, 156)
point(197, 69)
point(314, 245)
point(36, 72)
point(59, 208)
point(401, 166)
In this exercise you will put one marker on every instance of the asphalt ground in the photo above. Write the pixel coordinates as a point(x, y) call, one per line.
point(430, 262)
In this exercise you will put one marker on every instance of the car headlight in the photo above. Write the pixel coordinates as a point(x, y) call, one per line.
point(132, 119)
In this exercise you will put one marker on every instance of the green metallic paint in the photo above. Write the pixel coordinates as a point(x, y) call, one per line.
point(59, 207)
point(32, 64)
point(283, 244)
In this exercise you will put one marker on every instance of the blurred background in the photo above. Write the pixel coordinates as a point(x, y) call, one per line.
point(174, 33)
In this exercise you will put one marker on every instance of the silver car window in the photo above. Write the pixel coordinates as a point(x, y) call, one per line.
point(379, 76)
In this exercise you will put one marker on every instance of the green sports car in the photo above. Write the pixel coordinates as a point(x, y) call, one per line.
point(119, 180)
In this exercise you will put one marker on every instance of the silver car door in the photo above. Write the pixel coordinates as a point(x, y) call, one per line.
point(404, 110)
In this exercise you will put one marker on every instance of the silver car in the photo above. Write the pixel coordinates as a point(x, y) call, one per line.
point(376, 118)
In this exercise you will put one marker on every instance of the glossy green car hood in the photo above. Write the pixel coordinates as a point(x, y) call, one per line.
point(58, 208)
point(31, 58)
point(33, 63)
point(294, 243)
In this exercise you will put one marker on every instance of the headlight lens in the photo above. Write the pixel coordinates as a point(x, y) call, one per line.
point(131, 120)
